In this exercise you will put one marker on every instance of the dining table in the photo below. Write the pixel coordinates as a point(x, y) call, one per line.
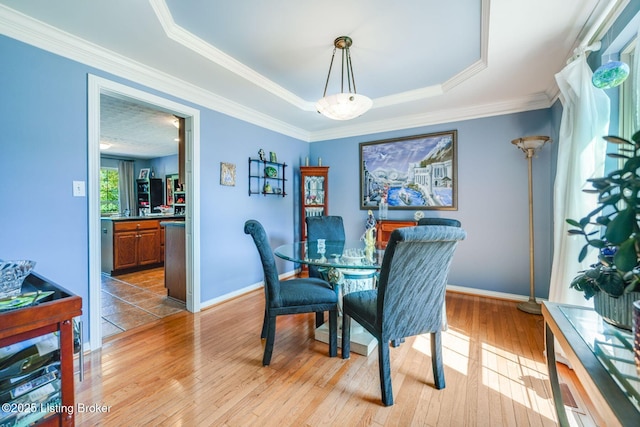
point(349, 266)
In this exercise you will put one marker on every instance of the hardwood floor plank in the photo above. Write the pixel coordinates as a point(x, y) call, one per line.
point(206, 369)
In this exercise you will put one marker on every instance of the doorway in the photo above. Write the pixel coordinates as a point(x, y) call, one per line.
point(98, 86)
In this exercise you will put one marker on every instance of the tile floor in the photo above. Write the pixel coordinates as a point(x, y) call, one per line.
point(130, 301)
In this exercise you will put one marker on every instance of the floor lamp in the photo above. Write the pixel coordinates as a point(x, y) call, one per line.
point(530, 146)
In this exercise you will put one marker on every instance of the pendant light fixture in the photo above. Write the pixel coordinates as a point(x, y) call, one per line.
point(343, 105)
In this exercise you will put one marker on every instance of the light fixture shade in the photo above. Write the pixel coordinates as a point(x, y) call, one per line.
point(610, 74)
point(530, 142)
point(344, 106)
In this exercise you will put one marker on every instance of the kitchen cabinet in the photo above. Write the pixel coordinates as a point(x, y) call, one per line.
point(130, 245)
point(175, 271)
point(314, 194)
point(39, 340)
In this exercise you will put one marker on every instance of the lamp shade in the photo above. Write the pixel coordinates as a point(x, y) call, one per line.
point(343, 106)
point(531, 143)
point(610, 74)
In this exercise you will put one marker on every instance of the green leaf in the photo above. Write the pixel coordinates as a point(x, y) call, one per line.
point(573, 222)
point(597, 243)
point(621, 227)
point(611, 199)
point(625, 258)
point(617, 156)
point(616, 140)
point(583, 253)
point(612, 284)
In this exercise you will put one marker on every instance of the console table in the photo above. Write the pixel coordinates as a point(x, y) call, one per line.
point(602, 357)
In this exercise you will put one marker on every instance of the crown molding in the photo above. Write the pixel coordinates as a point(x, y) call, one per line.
point(210, 52)
point(41, 35)
point(213, 54)
point(528, 103)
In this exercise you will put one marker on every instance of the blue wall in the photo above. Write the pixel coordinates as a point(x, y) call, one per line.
point(44, 148)
point(492, 198)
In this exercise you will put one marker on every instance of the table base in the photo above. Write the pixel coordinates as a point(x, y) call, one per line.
point(362, 342)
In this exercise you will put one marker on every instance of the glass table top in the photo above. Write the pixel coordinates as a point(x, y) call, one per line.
point(333, 253)
point(613, 347)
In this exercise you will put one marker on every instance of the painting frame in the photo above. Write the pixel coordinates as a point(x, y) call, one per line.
point(144, 173)
point(227, 174)
point(418, 172)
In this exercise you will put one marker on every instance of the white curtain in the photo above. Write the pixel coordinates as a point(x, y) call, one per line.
point(581, 155)
point(635, 86)
point(126, 189)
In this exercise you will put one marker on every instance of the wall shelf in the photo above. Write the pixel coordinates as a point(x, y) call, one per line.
point(267, 178)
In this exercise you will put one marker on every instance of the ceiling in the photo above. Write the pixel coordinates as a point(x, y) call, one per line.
point(421, 61)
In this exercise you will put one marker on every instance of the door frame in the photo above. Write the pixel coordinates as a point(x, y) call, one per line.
point(96, 86)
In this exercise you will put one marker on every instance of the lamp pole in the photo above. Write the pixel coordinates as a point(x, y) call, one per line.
point(530, 145)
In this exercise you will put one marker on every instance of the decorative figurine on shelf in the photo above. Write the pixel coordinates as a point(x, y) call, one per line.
point(262, 155)
point(267, 188)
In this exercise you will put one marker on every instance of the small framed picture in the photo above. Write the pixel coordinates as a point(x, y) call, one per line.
point(272, 157)
point(144, 173)
point(227, 174)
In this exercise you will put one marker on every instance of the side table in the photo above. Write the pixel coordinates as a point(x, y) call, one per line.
point(602, 357)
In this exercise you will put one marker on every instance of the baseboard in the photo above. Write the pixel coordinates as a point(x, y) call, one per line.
point(240, 292)
point(293, 273)
point(489, 294)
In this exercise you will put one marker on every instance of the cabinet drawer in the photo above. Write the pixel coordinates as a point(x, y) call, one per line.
point(145, 224)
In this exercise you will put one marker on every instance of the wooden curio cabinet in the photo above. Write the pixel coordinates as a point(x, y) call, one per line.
point(314, 195)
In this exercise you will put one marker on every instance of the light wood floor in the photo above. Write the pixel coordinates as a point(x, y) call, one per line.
point(205, 369)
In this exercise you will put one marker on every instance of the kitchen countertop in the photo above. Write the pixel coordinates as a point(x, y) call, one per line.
point(172, 223)
point(140, 218)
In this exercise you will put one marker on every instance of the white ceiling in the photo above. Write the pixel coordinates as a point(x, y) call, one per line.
point(421, 61)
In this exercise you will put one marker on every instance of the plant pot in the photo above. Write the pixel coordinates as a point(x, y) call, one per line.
point(616, 311)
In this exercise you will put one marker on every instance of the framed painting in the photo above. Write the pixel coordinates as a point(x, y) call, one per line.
point(144, 173)
point(227, 174)
point(414, 173)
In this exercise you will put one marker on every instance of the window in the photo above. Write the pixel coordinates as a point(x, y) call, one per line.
point(628, 120)
point(109, 197)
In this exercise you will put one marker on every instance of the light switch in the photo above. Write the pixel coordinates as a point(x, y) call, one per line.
point(79, 189)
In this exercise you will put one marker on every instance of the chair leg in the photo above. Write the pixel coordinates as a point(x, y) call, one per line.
point(265, 323)
point(319, 318)
point(397, 342)
point(436, 359)
point(385, 373)
point(346, 336)
point(333, 333)
point(271, 336)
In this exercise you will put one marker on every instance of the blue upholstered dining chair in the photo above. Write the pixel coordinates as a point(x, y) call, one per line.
point(439, 221)
point(328, 227)
point(410, 296)
point(304, 295)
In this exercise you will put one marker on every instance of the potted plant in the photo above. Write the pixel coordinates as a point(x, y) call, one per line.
point(614, 281)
